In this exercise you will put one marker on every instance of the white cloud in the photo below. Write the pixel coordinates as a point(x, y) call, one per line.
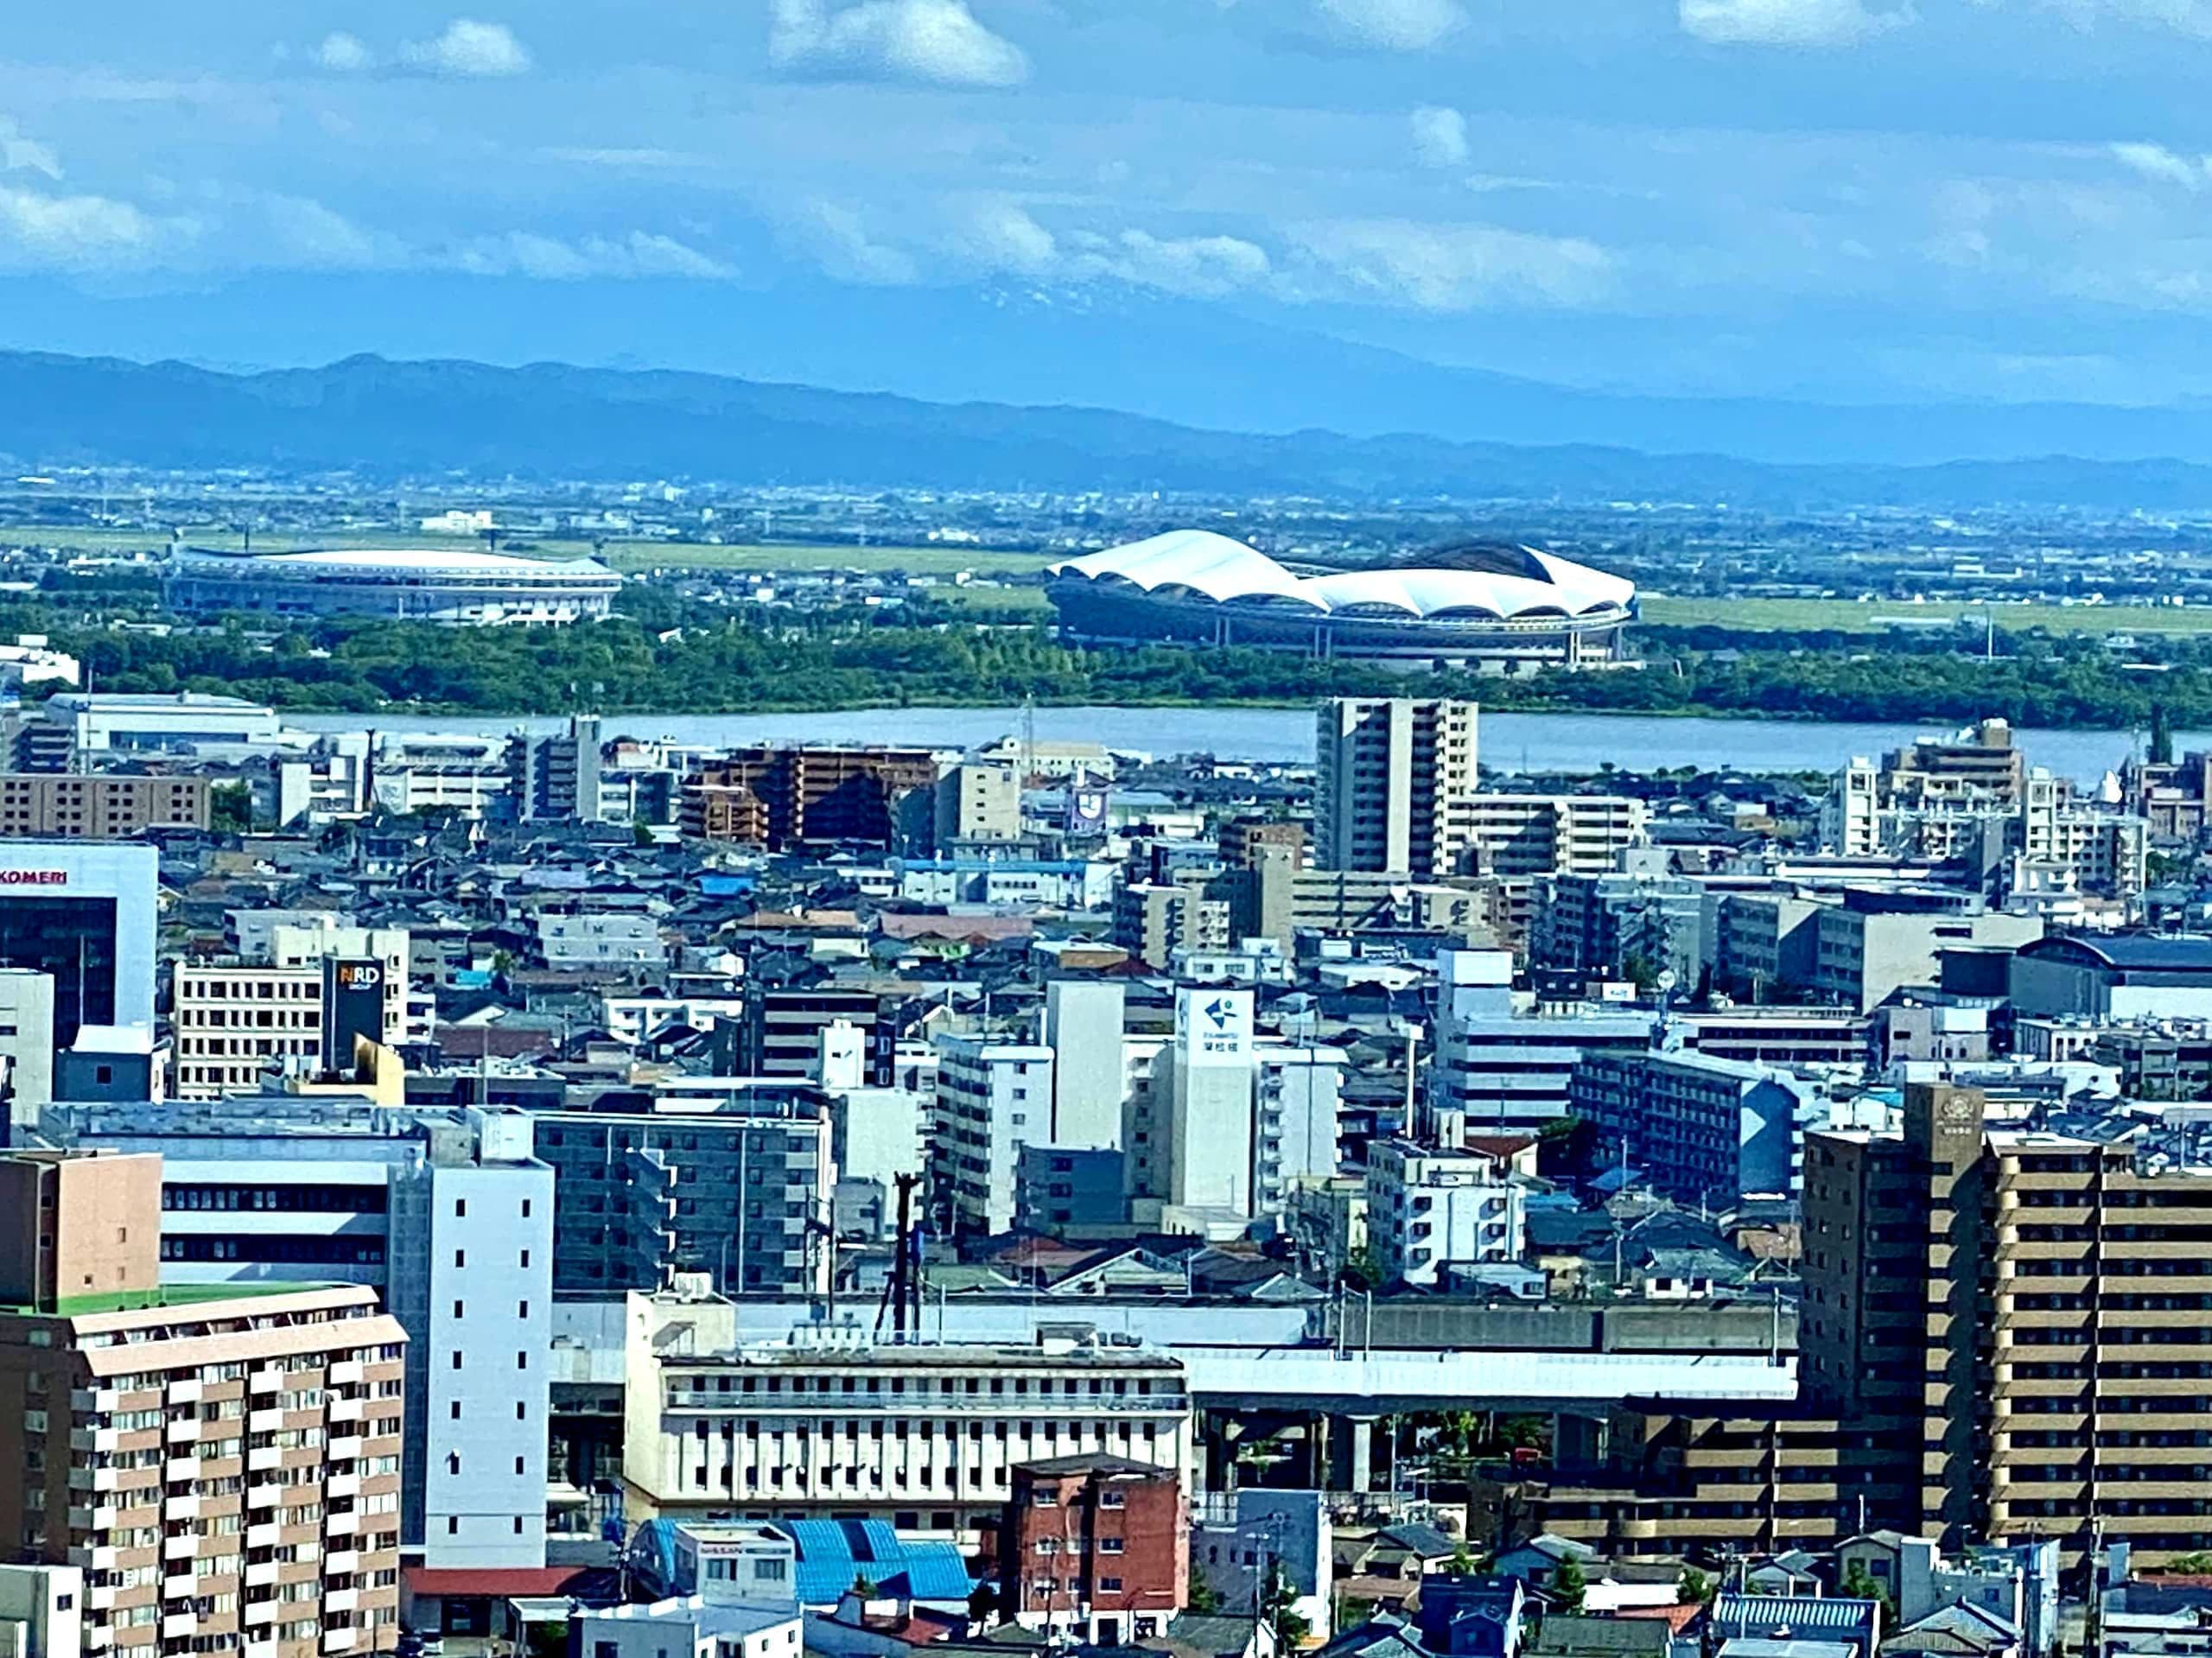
point(1451, 267)
point(1439, 137)
point(1205, 267)
point(298, 231)
point(80, 233)
point(836, 237)
point(1395, 25)
point(469, 50)
point(939, 42)
point(1788, 22)
point(2157, 162)
point(1000, 235)
point(547, 258)
point(343, 54)
point(2191, 17)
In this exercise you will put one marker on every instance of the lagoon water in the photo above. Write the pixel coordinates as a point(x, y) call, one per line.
point(1509, 742)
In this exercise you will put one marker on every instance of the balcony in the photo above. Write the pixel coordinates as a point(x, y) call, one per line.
point(263, 1497)
point(93, 1402)
point(346, 1373)
point(347, 1449)
point(185, 1507)
point(95, 1438)
point(342, 1485)
point(259, 1574)
point(180, 1469)
point(100, 1597)
point(346, 1410)
point(184, 1391)
point(264, 1421)
point(265, 1381)
point(265, 1534)
point(179, 1624)
point(338, 1640)
point(340, 1562)
point(343, 1525)
point(184, 1431)
point(261, 1612)
point(96, 1556)
point(94, 1519)
point(341, 1600)
point(262, 1459)
point(262, 1649)
point(182, 1547)
point(179, 1584)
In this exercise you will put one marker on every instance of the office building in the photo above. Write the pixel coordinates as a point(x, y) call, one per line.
point(1875, 943)
point(698, 1625)
point(98, 806)
point(993, 1098)
point(778, 797)
point(1787, 1036)
point(1767, 945)
point(87, 917)
point(1394, 780)
point(557, 773)
point(1091, 1547)
point(2007, 1322)
point(235, 1021)
point(734, 1185)
point(927, 1435)
point(222, 1465)
point(1501, 1065)
point(41, 1611)
point(2124, 977)
point(463, 773)
point(1430, 1211)
point(1703, 1130)
point(445, 1212)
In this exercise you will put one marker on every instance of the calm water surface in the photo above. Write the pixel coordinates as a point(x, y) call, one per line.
point(1514, 742)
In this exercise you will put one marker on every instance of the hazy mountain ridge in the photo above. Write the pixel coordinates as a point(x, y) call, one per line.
point(392, 419)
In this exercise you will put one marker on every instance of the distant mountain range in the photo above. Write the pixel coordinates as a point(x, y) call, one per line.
point(389, 420)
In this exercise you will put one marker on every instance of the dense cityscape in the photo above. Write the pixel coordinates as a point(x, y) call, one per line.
point(1106, 828)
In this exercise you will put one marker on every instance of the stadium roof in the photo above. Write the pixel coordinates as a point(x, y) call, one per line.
point(1516, 581)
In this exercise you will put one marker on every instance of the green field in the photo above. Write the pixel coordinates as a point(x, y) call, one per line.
point(1878, 616)
point(919, 560)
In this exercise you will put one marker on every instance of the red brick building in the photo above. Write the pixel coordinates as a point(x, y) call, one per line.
point(1098, 1545)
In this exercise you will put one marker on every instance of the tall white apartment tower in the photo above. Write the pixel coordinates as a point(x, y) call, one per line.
point(1396, 783)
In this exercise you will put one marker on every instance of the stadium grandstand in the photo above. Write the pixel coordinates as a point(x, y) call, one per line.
point(1491, 606)
point(460, 587)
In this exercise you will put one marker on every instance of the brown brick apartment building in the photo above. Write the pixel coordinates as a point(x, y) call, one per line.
point(1098, 1544)
point(778, 797)
point(223, 1463)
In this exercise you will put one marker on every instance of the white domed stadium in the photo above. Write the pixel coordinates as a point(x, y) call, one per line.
point(1491, 606)
point(461, 587)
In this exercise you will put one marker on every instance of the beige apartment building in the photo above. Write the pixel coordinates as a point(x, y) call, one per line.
point(2016, 1326)
point(103, 807)
point(235, 1021)
point(221, 1462)
point(1394, 781)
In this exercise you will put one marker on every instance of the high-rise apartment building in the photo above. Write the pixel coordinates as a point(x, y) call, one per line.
point(993, 1098)
point(222, 1465)
point(1396, 776)
point(2010, 1326)
point(444, 1211)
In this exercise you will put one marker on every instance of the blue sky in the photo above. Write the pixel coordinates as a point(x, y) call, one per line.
point(1840, 200)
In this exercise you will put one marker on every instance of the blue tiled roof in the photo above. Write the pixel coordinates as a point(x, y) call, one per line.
point(1799, 1612)
point(833, 1552)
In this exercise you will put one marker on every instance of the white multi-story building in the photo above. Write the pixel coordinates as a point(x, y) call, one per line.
point(1552, 834)
point(455, 771)
point(993, 1098)
point(1428, 1211)
point(923, 1435)
point(594, 940)
point(236, 1020)
point(448, 1213)
point(1083, 1027)
point(1501, 1066)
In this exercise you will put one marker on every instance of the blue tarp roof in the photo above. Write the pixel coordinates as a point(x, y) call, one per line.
point(831, 1555)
